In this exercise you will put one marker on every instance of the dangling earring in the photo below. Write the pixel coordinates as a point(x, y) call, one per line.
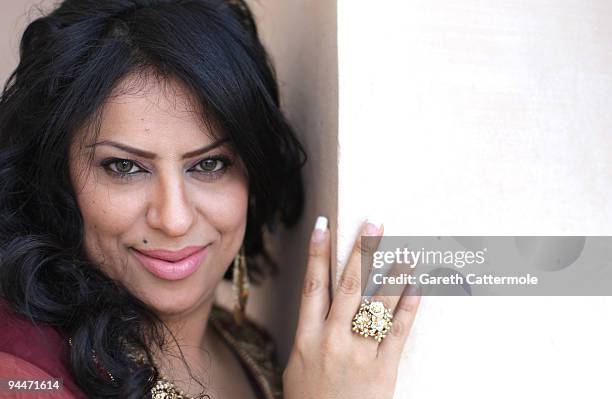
point(240, 286)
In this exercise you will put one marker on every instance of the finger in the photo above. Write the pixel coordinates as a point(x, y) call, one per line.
point(314, 303)
point(391, 282)
point(387, 293)
point(347, 296)
point(390, 349)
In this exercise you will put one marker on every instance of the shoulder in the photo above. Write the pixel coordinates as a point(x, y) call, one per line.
point(37, 343)
point(13, 367)
point(33, 348)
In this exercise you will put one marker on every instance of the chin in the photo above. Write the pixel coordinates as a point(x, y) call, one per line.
point(175, 303)
point(174, 299)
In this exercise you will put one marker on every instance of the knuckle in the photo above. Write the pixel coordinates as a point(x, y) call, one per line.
point(350, 283)
point(405, 306)
point(363, 247)
point(398, 328)
point(316, 250)
point(312, 284)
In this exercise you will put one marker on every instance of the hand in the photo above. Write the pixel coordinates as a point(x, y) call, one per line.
point(328, 359)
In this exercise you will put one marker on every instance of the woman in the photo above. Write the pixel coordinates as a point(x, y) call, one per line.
point(143, 153)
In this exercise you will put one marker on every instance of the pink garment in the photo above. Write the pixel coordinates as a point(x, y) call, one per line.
point(34, 352)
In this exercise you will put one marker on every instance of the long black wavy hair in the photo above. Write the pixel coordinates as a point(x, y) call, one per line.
point(70, 60)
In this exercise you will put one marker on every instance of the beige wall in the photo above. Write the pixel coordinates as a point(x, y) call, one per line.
point(14, 15)
point(301, 37)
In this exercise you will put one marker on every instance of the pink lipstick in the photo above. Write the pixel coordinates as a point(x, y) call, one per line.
point(172, 265)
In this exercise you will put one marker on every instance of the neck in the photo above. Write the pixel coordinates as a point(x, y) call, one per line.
point(188, 328)
point(189, 345)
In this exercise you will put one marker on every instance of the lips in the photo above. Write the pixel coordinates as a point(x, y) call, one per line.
point(171, 256)
point(172, 265)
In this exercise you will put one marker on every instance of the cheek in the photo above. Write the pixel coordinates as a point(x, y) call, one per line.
point(107, 216)
point(111, 209)
point(225, 209)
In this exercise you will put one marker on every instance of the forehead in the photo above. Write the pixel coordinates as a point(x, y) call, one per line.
point(154, 113)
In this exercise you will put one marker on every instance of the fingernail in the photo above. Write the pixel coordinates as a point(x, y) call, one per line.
point(320, 229)
point(373, 227)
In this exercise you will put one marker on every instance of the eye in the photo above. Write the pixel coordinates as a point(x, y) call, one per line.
point(121, 167)
point(211, 165)
point(124, 166)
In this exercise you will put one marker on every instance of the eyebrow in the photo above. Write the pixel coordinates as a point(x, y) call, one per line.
point(150, 155)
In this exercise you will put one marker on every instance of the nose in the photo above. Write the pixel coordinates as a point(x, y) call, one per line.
point(171, 209)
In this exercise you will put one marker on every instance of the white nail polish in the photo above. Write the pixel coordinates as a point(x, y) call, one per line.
point(321, 223)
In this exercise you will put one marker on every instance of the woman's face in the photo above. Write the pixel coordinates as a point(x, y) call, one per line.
point(156, 183)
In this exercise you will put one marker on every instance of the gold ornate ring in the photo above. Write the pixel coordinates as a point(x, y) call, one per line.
point(372, 319)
